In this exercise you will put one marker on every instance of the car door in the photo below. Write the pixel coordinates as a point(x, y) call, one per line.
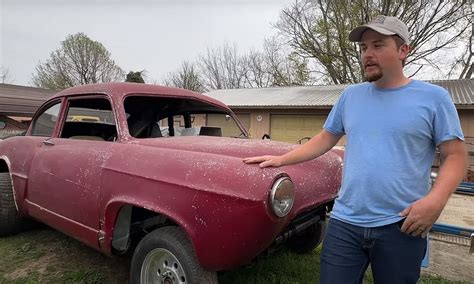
point(21, 149)
point(65, 175)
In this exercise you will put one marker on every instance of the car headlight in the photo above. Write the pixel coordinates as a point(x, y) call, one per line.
point(282, 196)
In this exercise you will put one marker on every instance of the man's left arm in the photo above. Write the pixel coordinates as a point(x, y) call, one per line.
point(421, 215)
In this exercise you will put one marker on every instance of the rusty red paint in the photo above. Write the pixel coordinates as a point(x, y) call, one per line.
point(201, 183)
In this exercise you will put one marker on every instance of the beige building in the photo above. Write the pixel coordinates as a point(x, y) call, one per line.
point(292, 114)
point(295, 114)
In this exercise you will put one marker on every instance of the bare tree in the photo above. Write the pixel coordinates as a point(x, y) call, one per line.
point(468, 63)
point(223, 68)
point(5, 76)
point(187, 77)
point(318, 30)
point(256, 70)
point(285, 69)
point(274, 67)
point(80, 60)
point(465, 63)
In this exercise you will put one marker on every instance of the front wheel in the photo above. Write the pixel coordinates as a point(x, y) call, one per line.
point(167, 256)
point(10, 221)
point(308, 240)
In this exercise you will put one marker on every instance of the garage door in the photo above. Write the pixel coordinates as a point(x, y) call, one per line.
point(291, 128)
point(229, 128)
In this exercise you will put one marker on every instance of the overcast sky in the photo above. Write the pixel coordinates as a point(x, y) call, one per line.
point(143, 34)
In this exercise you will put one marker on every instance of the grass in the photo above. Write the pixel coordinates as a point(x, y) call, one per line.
point(47, 256)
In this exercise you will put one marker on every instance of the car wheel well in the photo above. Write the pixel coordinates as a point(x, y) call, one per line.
point(132, 224)
point(3, 167)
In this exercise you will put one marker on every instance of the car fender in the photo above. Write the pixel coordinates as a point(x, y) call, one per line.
point(110, 213)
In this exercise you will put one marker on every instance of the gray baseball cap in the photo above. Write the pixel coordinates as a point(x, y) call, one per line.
point(382, 24)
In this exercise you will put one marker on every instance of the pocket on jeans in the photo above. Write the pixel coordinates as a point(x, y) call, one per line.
point(400, 223)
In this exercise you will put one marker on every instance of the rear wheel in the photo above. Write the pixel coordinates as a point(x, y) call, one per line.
point(307, 240)
point(10, 221)
point(167, 256)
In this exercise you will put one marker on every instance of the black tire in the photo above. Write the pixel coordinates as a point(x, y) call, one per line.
point(307, 240)
point(182, 260)
point(10, 221)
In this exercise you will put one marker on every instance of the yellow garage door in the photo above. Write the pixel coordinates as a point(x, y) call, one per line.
point(229, 128)
point(292, 128)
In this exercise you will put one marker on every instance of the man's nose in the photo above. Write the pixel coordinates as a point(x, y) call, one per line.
point(367, 54)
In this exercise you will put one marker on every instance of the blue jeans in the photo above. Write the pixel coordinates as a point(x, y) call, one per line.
point(395, 257)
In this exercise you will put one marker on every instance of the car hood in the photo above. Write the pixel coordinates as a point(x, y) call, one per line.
point(235, 147)
point(218, 160)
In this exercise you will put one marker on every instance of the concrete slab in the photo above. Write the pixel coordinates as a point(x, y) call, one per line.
point(459, 211)
point(450, 258)
point(449, 254)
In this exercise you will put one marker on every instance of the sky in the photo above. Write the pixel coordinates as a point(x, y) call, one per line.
point(143, 34)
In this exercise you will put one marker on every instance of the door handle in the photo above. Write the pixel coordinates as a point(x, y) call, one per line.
point(48, 142)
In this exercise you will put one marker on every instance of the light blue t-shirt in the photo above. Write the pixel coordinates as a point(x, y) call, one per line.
point(391, 138)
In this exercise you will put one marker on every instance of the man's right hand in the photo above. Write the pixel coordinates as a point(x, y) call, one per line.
point(265, 161)
point(314, 148)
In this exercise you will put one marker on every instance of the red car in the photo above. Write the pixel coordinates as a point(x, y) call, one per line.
point(123, 166)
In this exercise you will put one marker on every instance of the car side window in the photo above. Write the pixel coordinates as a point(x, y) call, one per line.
point(90, 119)
point(45, 122)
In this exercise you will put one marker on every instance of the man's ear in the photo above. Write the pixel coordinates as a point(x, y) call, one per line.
point(403, 51)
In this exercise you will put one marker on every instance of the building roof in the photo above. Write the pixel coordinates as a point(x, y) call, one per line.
point(461, 90)
point(18, 100)
point(23, 101)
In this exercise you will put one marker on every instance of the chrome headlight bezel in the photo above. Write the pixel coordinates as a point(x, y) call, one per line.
point(282, 196)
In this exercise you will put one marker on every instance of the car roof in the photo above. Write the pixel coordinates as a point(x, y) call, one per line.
point(121, 89)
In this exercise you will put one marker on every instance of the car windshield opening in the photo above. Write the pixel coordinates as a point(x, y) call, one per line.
point(154, 117)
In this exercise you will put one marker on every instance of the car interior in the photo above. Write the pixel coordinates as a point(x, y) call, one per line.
point(90, 119)
point(147, 117)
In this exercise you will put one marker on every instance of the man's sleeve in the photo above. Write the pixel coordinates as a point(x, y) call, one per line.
point(446, 122)
point(335, 122)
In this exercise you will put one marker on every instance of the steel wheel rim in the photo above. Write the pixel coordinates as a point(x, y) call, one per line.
point(161, 266)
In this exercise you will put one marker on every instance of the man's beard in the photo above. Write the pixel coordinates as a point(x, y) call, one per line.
point(374, 76)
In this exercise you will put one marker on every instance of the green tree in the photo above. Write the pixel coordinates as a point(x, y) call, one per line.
point(318, 30)
point(80, 60)
point(135, 77)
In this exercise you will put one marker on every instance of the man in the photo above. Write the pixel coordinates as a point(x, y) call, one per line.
point(393, 124)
